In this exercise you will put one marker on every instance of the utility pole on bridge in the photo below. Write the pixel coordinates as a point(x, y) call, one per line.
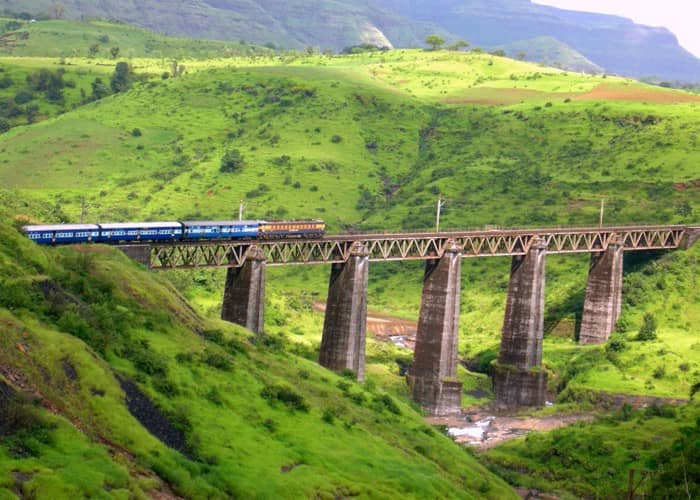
point(440, 204)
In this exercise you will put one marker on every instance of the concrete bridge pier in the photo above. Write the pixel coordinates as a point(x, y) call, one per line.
point(244, 292)
point(139, 253)
point(433, 375)
point(344, 326)
point(603, 301)
point(518, 379)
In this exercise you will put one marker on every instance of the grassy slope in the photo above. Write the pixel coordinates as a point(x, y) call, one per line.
point(522, 162)
point(364, 445)
point(416, 107)
point(592, 460)
point(59, 38)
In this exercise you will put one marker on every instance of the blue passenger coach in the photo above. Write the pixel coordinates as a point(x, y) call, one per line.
point(138, 231)
point(63, 233)
point(218, 229)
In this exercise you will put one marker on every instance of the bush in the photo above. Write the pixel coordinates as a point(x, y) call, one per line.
point(615, 345)
point(136, 132)
point(385, 402)
point(165, 387)
point(328, 416)
point(336, 139)
point(648, 329)
point(285, 395)
point(232, 161)
point(145, 360)
point(218, 361)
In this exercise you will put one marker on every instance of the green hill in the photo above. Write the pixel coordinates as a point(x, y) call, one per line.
point(112, 386)
point(611, 42)
point(62, 38)
point(366, 142)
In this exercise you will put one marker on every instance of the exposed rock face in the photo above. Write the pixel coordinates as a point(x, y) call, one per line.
point(603, 302)
point(433, 374)
point(344, 325)
point(244, 292)
point(518, 379)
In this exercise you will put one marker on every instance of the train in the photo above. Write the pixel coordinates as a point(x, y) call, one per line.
point(130, 232)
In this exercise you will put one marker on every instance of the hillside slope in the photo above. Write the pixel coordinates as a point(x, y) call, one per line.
point(614, 43)
point(506, 142)
point(289, 24)
point(112, 386)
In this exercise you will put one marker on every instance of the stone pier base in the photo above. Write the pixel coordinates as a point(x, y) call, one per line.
point(244, 292)
point(518, 380)
point(343, 341)
point(514, 386)
point(439, 398)
point(434, 370)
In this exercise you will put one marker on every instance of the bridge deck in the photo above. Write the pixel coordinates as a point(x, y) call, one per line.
point(418, 246)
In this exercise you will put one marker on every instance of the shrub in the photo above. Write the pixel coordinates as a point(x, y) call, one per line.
point(615, 345)
point(336, 139)
point(284, 395)
point(218, 361)
point(385, 402)
point(136, 132)
point(165, 387)
point(328, 416)
point(146, 360)
point(232, 161)
point(648, 329)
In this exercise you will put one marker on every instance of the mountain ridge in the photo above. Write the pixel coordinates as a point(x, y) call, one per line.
point(613, 43)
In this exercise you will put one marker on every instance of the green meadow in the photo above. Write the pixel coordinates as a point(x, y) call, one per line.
point(367, 142)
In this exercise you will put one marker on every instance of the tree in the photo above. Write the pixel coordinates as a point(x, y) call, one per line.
point(99, 89)
point(93, 49)
point(114, 51)
point(459, 45)
point(435, 41)
point(522, 56)
point(648, 329)
point(232, 161)
point(122, 78)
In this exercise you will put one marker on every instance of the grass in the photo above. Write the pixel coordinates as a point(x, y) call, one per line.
point(593, 459)
point(305, 436)
point(59, 38)
point(365, 142)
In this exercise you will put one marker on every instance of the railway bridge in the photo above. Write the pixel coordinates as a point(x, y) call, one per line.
point(518, 376)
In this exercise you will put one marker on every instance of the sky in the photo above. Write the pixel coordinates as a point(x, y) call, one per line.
point(682, 17)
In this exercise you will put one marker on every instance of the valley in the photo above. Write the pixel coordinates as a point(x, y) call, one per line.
point(367, 142)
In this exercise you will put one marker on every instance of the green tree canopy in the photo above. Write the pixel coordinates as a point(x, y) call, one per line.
point(435, 41)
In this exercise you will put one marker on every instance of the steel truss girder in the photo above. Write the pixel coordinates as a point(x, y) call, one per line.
point(392, 247)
